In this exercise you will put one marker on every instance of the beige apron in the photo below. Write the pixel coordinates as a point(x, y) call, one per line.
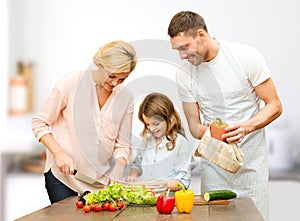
point(251, 180)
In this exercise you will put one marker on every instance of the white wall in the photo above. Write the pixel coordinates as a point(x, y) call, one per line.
point(3, 61)
point(62, 35)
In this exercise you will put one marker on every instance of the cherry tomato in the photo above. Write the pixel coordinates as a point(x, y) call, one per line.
point(105, 205)
point(120, 204)
point(86, 208)
point(97, 207)
point(92, 204)
point(112, 206)
point(79, 204)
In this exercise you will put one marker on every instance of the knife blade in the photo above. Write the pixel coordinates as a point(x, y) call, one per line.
point(84, 178)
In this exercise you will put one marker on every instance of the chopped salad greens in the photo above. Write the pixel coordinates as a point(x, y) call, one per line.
point(140, 196)
point(117, 192)
point(111, 193)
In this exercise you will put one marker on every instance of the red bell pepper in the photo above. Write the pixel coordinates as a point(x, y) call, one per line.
point(165, 203)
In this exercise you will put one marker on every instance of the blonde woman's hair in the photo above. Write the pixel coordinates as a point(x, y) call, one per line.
point(161, 107)
point(116, 57)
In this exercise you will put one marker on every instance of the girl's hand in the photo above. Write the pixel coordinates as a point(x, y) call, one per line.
point(64, 162)
point(131, 179)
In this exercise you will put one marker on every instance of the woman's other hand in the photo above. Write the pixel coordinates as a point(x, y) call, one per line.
point(117, 172)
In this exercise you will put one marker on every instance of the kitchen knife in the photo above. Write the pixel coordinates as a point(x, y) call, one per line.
point(84, 178)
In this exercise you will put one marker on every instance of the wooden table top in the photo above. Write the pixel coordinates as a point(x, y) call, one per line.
point(65, 210)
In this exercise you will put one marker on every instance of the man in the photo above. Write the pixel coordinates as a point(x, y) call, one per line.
point(229, 81)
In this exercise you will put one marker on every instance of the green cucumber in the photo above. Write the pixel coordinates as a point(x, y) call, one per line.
point(219, 195)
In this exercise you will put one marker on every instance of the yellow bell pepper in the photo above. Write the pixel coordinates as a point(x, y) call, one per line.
point(184, 199)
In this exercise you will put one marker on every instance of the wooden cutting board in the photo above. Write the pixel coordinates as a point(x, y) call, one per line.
point(199, 200)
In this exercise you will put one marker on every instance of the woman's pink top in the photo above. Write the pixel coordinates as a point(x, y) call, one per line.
point(92, 137)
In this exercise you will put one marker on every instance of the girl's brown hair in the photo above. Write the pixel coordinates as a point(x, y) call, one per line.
point(160, 106)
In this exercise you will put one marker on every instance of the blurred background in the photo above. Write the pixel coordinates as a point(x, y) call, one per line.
point(41, 41)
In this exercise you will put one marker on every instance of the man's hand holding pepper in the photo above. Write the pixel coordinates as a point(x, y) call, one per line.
point(236, 132)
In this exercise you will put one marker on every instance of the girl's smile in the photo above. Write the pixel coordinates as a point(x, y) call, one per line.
point(156, 125)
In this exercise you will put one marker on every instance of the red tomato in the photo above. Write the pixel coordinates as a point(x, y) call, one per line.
point(86, 208)
point(97, 207)
point(120, 204)
point(105, 205)
point(92, 204)
point(112, 206)
point(79, 204)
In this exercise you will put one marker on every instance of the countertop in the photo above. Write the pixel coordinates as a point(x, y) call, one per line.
point(237, 209)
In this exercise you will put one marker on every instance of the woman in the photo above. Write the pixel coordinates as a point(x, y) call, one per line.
point(85, 123)
point(165, 153)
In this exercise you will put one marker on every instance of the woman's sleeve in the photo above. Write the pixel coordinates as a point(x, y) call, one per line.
point(50, 111)
point(123, 142)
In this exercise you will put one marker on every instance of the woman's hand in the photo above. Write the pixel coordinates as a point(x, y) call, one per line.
point(117, 172)
point(64, 162)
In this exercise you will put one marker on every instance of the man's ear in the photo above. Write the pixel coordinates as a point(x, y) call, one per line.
point(201, 33)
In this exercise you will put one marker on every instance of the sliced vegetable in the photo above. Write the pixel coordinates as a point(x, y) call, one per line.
point(115, 197)
point(139, 195)
point(219, 195)
point(111, 193)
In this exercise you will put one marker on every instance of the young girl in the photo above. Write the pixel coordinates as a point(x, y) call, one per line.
point(165, 153)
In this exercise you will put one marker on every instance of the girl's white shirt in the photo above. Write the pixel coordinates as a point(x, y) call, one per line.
point(162, 164)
